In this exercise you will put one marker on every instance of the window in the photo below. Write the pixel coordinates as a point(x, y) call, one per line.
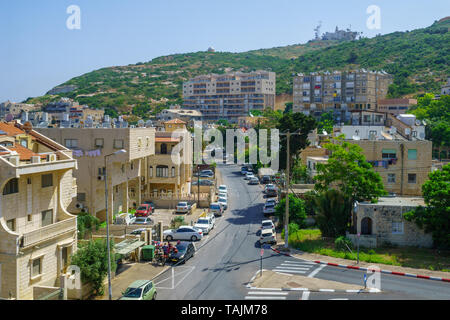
point(47, 180)
point(173, 172)
point(24, 143)
point(397, 227)
point(118, 144)
point(99, 142)
point(29, 218)
point(389, 154)
point(36, 267)
point(162, 171)
point(28, 180)
point(11, 224)
point(71, 143)
point(101, 171)
point(367, 118)
point(12, 186)
point(47, 217)
point(391, 178)
point(411, 178)
point(412, 154)
point(151, 172)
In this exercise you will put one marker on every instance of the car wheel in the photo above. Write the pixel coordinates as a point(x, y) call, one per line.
point(194, 238)
point(169, 238)
point(154, 296)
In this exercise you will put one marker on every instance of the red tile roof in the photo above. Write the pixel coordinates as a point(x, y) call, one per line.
point(10, 129)
point(24, 153)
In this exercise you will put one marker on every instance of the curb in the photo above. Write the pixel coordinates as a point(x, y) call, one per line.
point(366, 269)
point(249, 286)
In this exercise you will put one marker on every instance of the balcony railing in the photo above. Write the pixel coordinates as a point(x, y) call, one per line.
point(49, 232)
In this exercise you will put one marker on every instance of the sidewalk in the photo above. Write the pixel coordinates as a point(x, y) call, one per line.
point(314, 257)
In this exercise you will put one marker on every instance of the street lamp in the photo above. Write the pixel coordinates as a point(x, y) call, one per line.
point(122, 151)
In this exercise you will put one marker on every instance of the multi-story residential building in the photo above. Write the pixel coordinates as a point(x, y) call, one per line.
point(14, 110)
point(231, 95)
point(395, 106)
point(176, 112)
point(127, 174)
point(445, 90)
point(398, 151)
point(37, 234)
point(171, 169)
point(339, 92)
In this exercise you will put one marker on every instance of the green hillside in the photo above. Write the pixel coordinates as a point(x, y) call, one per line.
point(418, 60)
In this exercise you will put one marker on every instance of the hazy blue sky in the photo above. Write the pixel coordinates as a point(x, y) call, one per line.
point(38, 51)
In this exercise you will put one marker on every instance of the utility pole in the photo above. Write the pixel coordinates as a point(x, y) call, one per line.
point(198, 187)
point(286, 214)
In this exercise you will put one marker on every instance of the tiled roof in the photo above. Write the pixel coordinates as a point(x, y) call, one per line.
point(176, 121)
point(24, 153)
point(10, 129)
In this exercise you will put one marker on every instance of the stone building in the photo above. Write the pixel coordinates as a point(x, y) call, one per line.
point(382, 223)
point(37, 233)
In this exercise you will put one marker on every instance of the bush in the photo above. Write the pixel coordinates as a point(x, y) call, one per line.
point(297, 213)
point(86, 222)
point(341, 243)
point(177, 221)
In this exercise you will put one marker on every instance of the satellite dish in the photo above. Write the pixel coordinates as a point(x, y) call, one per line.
point(325, 133)
point(418, 122)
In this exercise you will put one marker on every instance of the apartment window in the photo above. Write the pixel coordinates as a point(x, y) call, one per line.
point(162, 171)
point(99, 142)
point(71, 143)
point(11, 224)
point(36, 267)
point(24, 143)
point(389, 154)
point(151, 172)
point(132, 165)
point(29, 218)
point(412, 177)
point(173, 172)
point(101, 171)
point(367, 118)
point(28, 180)
point(12, 186)
point(391, 178)
point(47, 180)
point(47, 217)
point(118, 144)
point(412, 154)
point(397, 227)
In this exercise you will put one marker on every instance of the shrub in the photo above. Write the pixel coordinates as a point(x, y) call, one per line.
point(341, 243)
point(86, 222)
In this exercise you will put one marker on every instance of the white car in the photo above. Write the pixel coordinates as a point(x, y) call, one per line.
point(223, 202)
point(271, 201)
point(183, 207)
point(222, 188)
point(143, 221)
point(125, 218)
point(249, 175)
point(269, 209)
point(206, 224)
point(222, 195)
point(183, 233)
point(267, 224)
point(267, 236)
point(216, 209)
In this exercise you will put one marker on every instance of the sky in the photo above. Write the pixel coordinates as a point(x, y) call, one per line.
point(38, 51)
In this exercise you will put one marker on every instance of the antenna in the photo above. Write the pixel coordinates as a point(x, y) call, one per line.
point(317, 31)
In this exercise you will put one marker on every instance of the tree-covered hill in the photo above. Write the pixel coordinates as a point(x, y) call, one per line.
point(418, 59)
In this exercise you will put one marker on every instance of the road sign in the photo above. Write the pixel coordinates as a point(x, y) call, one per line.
point(262, 252)
point(266, 246)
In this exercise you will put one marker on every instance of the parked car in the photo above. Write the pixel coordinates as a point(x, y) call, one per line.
point(185, 251)
point(249, 175)
point(272, 201)
point(207, 173)
point(144, 210)
point(267, 236)
point(125, 219)
point(269, 209)
point(265, 179)
point(222, 195)
point(271, 190)
point(216, 209)
point(244, 170)
point(223, 188)
point(223, 202)
point(267, 224)
point(143, 220)
point(206, 224)
point(183, 233)
point(151, 204)
point(138, 231)
point(253, 180)
point(140, 290)
point(183, 207)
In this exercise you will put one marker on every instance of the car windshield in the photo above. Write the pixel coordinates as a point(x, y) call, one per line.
point(142, 208)
point(222, 200)
point(267, 234)
point(133, 293)
point(202, 221)
point(141, 219)
point(269, 206)
point(182, 204)
point(215, 206)
point(267, 224)
point(181, 247)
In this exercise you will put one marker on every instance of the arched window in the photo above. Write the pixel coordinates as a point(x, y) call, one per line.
point(12, 186)
point(366, 226)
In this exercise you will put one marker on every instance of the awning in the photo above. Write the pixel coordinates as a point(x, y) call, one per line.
point(128, 246)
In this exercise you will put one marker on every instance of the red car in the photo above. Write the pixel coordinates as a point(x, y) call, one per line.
point(144, 210)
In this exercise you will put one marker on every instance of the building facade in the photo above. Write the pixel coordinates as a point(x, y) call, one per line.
point(395, 106)
point(445, 90)
point(339, 92)
point(231, 95)
point(37, 233)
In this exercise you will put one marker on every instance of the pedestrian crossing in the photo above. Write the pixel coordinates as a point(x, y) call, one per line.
point(266, 294)
point(294, 267)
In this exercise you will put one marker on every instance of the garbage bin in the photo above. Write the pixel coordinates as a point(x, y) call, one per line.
point(148, 252)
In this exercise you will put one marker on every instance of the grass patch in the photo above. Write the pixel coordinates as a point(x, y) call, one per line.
point(310, 240)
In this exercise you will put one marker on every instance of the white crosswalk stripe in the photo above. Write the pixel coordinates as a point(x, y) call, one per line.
point(266, 295)
point(294, 267)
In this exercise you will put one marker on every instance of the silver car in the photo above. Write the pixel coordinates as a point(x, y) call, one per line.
point(143, 221)
point(183, 233)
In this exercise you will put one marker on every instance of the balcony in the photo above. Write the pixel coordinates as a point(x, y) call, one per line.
point(49, 232)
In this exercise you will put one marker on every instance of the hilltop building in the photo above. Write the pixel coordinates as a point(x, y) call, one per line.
point(231, 95)
point(37, 233)
point(446, 88)
point(395, 106)
point(176, 112)
point(11, 110)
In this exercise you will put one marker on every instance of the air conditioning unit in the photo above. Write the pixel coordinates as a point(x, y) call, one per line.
point(79, 206)
point(101, 178)
point(51, 157)
point(35, 159)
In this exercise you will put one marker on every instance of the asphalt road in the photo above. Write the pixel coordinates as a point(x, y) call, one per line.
point(229, 257)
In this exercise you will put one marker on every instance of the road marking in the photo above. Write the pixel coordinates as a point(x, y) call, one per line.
point(172, 277)
point(305, 262)
point(312, 274)
point(275, 289)
point(264, 298)
point(287, 271)
point(268, 293)
point(339, 299)
point(305, 295)
point(290, 266)
point(327, 290)
point(283, 273)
